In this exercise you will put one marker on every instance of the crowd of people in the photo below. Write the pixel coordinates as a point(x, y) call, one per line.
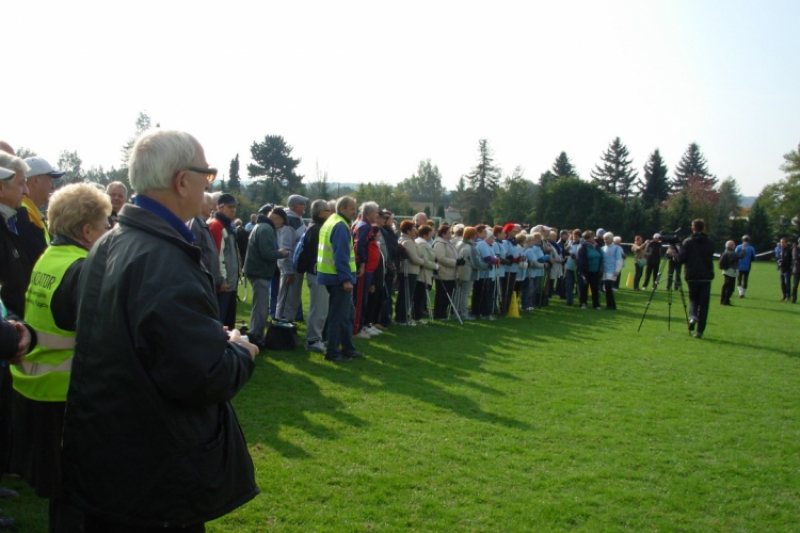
point(119, 351)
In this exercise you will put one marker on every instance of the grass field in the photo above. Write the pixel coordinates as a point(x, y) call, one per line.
point(562, 420)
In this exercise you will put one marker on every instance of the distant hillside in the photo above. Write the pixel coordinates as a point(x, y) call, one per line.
point(747, 201)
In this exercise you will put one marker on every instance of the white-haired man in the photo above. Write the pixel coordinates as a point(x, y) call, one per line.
point(289, 305)
point(118, 194)
point(150, 438)
point(15, 267)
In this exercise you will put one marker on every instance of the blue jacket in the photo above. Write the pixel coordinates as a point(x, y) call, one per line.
point(612, 259)
point(749, 256)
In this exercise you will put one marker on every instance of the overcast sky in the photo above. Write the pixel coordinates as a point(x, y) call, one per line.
point(366, 90)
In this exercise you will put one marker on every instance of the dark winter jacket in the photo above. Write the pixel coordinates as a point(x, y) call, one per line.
point(150, 437)
point(582, 262)
point(307, 259)
point(697, 253)
point(15, 270)
point(796, 259)
point(391, 241)
point(262, 250)
point(785, 260)
point(210, 254)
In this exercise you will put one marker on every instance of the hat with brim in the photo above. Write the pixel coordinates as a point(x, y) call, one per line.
point(40, 167)
point(6, 174)
point(227, 199)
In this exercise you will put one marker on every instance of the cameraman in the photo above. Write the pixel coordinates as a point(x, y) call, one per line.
point(697, 253)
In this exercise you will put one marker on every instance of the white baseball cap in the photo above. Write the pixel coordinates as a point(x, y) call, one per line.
point(6, 174)
point(39, 166)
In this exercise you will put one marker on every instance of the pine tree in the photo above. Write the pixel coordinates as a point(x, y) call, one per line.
point(563, 167)
point(483, 181)
point(693, 163)
point(655, 189)
point(759, 228)
point(274, 162)
point(616, 174)
point(234, 183)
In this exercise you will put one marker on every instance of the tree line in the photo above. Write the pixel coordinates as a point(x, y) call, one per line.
point(615, 195)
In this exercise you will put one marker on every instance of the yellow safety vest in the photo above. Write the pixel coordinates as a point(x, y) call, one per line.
point(44, 373)
point(325, 261)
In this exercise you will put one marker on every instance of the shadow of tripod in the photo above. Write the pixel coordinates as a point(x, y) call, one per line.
point(670, 284)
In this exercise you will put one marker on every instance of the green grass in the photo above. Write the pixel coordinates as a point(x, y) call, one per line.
point(562, 420)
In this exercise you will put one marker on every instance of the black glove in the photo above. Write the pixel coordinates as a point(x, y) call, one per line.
point(461, 262)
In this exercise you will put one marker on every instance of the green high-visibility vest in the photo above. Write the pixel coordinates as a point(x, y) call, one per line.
point(44, 373)
point(325, 260)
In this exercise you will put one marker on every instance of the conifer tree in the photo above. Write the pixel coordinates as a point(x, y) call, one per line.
point(693, 163)
point(483, 181)
point(655, 188)
point(563, 167)
point(234, 183)
point(615, 174)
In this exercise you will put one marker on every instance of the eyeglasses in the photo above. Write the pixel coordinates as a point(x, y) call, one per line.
point(210, 173)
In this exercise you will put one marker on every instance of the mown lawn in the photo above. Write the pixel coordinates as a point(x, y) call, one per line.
point(562, 420)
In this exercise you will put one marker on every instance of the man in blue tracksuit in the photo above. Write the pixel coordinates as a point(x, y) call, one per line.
point(745, 264)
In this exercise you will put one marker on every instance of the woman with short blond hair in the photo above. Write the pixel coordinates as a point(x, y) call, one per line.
point(78, 217)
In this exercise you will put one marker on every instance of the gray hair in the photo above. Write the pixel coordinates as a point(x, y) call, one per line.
point(617, 240)
point(114, 184)
point(317, 206)
point(343, 202)
point(156, 156)
point(368, 207)
point(608, 236)
point(418, 216)
point(12, 162)
point(215, 197)
point(332, 205)
point(458, 229)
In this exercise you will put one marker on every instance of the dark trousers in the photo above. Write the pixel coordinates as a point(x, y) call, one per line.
point(341, 315)
point(6, 398)
point(477, 297)
point(94, 524)
point(386, 305)
point(674, 275)
point(441, 304)
point(699, 297)
point(360, 297)
point(593, 282)
point(611, 303)
point(227, 308)
point(741, 281)
point(786, 285)
point(506, 290)
point(728, 283)
point(637, 277)
point(420, 300)
point(569, 286)
point(405, 288)
point(650, 270)
point(487, 298)
point(795, 283)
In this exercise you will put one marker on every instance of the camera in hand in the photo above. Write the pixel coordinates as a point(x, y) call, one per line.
point(671, 237)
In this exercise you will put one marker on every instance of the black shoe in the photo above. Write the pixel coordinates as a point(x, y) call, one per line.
point(6, 523)
point(337, 358)
point(353, 355)
point(697, 335)
point(692, 323)
point(8, 494)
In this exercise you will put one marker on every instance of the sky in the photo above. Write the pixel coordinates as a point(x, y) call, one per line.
point(366, 90)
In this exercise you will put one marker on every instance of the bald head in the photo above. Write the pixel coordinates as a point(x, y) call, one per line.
point(4, 146)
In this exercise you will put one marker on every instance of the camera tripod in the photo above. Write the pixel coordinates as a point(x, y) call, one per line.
point(656, 280)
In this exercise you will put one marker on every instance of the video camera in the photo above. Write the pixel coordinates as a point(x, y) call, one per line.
point(671, 237)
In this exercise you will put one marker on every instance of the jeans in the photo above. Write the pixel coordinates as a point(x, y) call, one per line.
point(317, 309)
point(341, 315)
point(569, 286)
point(699, 297)
point(258, 315)
point(637, 277)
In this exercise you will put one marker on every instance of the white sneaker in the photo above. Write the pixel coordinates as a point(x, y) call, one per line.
point(422, 321)
point(372, 331)
point(316, 347)
point(361, 335)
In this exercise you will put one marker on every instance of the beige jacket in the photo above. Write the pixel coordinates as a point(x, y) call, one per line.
point(446, 255)
point(411, 265)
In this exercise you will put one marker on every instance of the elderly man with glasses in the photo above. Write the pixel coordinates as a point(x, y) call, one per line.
point(150, 438)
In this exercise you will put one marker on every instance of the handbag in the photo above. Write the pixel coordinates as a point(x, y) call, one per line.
point(641, 262)
point(281, 336)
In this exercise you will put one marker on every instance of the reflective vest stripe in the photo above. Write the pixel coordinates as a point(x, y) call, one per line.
point(55, 342)
point(326, 262)
point(39, 369)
